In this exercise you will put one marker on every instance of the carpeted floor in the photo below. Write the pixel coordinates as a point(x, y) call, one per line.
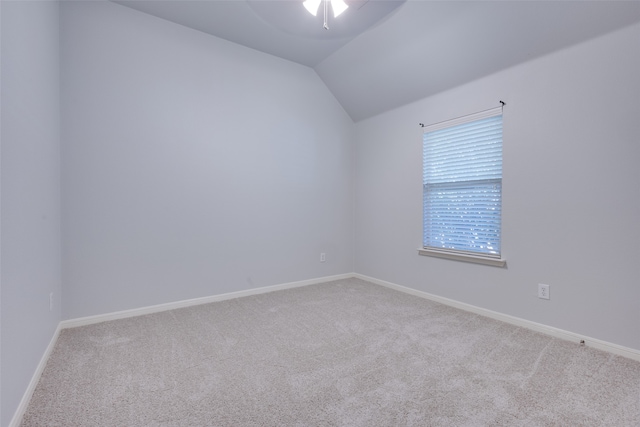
point(345, 353)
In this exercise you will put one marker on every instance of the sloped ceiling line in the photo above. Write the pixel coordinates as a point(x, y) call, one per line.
point(382, 54)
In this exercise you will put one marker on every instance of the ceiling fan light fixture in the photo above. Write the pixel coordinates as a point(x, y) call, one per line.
point(338, 7)
point(312, 6)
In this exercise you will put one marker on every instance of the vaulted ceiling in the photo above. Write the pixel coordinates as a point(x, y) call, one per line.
point(381, 54)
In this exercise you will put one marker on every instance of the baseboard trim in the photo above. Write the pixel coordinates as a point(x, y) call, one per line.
point(619, 350)
point(26, 397)
point(90, 320)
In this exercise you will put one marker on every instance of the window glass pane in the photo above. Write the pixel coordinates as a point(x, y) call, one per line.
point(462, 178)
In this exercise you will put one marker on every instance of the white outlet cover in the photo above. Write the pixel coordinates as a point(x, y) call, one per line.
point(543, 291)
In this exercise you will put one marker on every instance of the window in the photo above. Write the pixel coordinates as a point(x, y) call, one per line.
point(462, 188)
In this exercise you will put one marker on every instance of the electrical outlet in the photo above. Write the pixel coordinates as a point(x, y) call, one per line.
point(543, 291)
point(323, 257)
point(51, 301)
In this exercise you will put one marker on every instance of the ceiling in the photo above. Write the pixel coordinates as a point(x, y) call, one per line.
point(282, 28)
point(381, 54)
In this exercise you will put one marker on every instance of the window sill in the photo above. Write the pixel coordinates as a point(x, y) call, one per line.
point(495, 262)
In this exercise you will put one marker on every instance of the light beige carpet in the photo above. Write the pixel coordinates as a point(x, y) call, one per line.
point(345, 353)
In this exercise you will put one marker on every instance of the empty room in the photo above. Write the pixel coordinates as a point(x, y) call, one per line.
point(319, 213)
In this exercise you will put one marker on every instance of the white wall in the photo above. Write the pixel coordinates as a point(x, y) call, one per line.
point(192, 166)
point(30, 192)
point(571, 193)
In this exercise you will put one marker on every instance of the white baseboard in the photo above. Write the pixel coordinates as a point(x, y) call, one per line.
point(89, 320)
point(627, 352)
point(26, 398)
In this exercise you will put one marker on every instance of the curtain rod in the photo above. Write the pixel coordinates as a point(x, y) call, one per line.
point(501, 102)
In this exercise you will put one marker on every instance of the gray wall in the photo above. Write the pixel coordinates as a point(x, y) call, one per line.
point(192, 166)
point(30, 192)
point(571, 193)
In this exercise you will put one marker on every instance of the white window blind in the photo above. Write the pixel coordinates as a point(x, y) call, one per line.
point(462, 184)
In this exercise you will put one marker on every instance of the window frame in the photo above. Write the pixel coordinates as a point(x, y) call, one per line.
point(457, 254)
